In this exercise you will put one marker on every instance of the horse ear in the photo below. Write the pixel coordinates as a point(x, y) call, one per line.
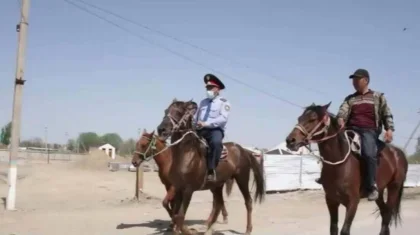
point(190, 105)
point(313, 104)
point(174, 100)
point(325, 107)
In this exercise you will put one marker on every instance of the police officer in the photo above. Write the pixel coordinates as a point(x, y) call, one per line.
point(210, 121)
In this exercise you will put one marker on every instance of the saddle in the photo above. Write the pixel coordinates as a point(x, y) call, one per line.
point(206, 147)
point(356, 144)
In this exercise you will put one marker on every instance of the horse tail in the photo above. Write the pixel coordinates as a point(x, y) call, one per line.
point(258, 169)
point(396, 211)
point(229, 186)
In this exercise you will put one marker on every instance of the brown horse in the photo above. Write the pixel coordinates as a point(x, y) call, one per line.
point(343, 171)
point(148, 147)
point(188, 171)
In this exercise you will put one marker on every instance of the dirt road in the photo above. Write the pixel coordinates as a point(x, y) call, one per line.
point(62, 199)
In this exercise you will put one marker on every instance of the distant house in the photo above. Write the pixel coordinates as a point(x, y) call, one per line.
point(108, 149)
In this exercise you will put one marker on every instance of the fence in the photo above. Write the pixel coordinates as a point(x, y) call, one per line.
point(40, 156)
point(292, 172)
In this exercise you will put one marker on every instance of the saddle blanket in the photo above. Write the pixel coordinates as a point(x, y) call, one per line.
point(224, 153)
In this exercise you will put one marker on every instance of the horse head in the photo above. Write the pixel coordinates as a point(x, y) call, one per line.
point(313, 121)
point(145, 148)
point(178, 117)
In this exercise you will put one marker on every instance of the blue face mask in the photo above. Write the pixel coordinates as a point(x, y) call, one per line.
point(210, 94)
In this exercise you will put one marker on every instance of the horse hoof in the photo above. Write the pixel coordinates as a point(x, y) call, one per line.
point(225, 221)
point(171, 227)
point(209, 231)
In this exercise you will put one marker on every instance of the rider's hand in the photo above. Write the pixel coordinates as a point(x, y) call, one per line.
point(388, 136)
point(340, 122)
point(201, 124)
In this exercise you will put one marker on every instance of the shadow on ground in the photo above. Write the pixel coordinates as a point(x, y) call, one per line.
point(161, 227)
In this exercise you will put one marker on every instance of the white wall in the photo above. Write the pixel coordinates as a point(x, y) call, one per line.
point(290, 172)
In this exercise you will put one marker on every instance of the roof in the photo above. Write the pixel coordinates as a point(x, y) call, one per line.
point(107, 146)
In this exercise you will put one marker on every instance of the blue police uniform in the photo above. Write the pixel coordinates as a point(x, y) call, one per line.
point(214, 112)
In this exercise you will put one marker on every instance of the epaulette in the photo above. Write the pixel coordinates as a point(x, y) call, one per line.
point(223, 99)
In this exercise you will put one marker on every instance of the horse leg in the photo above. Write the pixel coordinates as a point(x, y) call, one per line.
point(243, 185)
point(351, 208)
point(213, 210)
point(333, 205)
point(391, 208)
point(170, 193)
point(176, 205)
point(217, 206)
point(179, 218)
point(212, 214)
point(386, 216)
point(224, 213)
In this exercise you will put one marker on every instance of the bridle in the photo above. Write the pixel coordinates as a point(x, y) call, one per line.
point(150, 150)
point(324, 131)
point(177, 124)
point(309, 135)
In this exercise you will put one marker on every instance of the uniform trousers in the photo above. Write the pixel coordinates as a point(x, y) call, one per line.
point(214, 138)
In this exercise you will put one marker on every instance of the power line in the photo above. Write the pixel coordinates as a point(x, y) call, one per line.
point(274, 77)
point(179, 54)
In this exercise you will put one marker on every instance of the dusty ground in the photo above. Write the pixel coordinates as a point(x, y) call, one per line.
point(67, 199)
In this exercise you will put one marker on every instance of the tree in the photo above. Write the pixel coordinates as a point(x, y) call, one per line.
point(127, 147)
point(418, 145)
point(87, 140)
point(6, 133)
point(71, 145)
point(34, 142)
point(113, 139)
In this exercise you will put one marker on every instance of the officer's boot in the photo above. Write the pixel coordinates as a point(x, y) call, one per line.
point(211, 174)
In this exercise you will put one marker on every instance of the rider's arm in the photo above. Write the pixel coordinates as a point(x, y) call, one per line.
point(344, 110)
point(222, 118)
point(387, 117)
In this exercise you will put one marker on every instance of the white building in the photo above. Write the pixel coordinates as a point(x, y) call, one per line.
point(108, 149)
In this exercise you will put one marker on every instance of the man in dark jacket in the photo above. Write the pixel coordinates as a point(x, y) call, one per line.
point(366, 112)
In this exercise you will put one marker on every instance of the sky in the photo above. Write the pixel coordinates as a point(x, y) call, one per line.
point(84, 74)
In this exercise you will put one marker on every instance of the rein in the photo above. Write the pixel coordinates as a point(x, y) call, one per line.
point(152, 146)
point(324, 131)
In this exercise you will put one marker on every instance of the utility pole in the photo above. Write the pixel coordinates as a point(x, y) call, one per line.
point(46, 145)
point(139, 175)
point(66, 134)
point(21, 28)
point(412, 134)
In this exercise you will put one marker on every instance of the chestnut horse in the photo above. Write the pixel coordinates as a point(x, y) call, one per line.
point(343, 171)
point(148, 147)
point(189, 171)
